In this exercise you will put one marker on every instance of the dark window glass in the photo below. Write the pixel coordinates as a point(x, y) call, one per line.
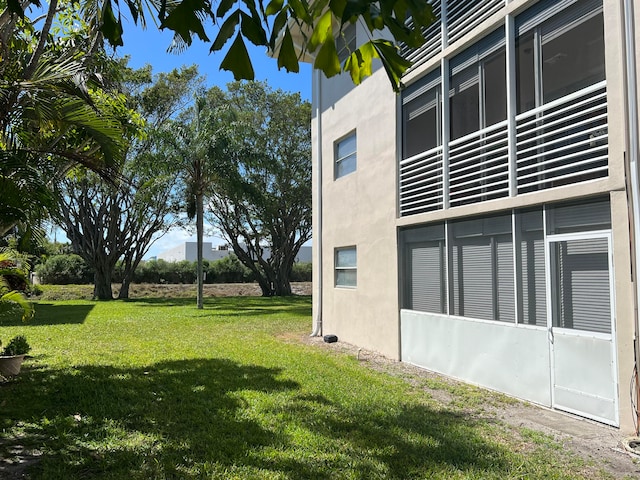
point(421, 120)
point(573, 59)
point(464, 103)
point(495, 88)
point(525, 73)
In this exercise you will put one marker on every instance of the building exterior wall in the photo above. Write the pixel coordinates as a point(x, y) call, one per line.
point(362, 210)
point(359, 210)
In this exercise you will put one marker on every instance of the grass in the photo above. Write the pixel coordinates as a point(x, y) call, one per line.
point(156, 389)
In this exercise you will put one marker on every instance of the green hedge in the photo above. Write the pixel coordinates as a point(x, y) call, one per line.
point(71, 269)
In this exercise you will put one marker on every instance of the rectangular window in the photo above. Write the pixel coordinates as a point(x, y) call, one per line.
point(346, 42)
point(580, 283)
point(424, 251)
point(479, 274)
point(421, 111)
point(346, 267)
point(531, 269)
point(478, 95)
point(483, 268)
point(559, 51)
point(345, 155)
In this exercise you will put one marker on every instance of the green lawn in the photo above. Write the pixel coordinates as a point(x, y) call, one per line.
point(155, 389)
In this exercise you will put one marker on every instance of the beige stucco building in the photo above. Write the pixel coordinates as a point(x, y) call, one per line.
point(481, 223)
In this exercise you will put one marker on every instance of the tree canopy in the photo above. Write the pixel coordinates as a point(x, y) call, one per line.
point(261, 197)
point(288, 29)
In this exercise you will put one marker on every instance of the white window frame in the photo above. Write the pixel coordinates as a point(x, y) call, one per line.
point(345, 268)
point(351, 155)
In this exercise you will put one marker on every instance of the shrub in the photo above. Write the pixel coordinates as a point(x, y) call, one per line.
point(17, 346)
point(301, 272)
point(64, 270)
point(229, 270)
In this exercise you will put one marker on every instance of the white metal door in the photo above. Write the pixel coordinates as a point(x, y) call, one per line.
point(581, 326)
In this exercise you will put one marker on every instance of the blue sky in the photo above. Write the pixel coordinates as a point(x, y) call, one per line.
point(150, 47)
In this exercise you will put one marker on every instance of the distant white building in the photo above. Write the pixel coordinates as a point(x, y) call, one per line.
point(188, 251)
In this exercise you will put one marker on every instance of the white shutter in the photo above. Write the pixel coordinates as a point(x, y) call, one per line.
point(505, 281)
point(472, 280)
point(584, 289)
point(534, 304)
point(426, 287)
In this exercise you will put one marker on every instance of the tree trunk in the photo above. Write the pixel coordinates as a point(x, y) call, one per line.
point(200, 234)
point(282, 287)
point(123, 294)
point(127, 277)
point(102, 283)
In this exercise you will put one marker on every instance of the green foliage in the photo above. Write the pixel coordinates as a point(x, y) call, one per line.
point(260, 196)
point(225, 270)
point(302, 272)
point(228, 270)
point(13, 283)
point(18, 345)
point(64, 270)
point(273, 24)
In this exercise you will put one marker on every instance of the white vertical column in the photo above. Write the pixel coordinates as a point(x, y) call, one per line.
point(444, 72)
point(510, 32)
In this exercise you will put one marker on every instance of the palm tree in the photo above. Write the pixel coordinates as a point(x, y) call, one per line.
point(199, 141)
point(48, 117)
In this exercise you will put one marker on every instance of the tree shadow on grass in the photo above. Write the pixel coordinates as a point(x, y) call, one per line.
point(50, 314)
point(216, 418)
point(239, 306)
point(164, 421)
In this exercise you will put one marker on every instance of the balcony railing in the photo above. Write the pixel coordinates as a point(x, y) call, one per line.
point(562, 142)
point(479, 166)
point(421, 183)
point(464, 15)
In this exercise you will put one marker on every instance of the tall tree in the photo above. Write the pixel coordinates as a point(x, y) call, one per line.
point(199, 145)
point(261, 199)
point(48, 119)
point(106, 222)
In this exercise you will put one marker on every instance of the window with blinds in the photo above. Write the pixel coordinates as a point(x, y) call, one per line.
point(346, 267)
point(345, 156)
point(425, 256)
point(422, 115)
point(581, 282)
point(531, 268)
point(478, 95)
point(480, 267)
point(483, 269)
point(346, 42)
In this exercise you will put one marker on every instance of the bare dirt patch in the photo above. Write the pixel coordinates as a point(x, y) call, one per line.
point(600, 446)
point(153, 290)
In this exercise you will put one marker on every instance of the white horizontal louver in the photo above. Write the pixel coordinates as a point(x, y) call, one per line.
point(479, 166)
point(421, 183)
point(464, 15)
point(564, 141)
point(433, 40)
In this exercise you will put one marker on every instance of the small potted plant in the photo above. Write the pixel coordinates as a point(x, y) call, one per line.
point(13, 354)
